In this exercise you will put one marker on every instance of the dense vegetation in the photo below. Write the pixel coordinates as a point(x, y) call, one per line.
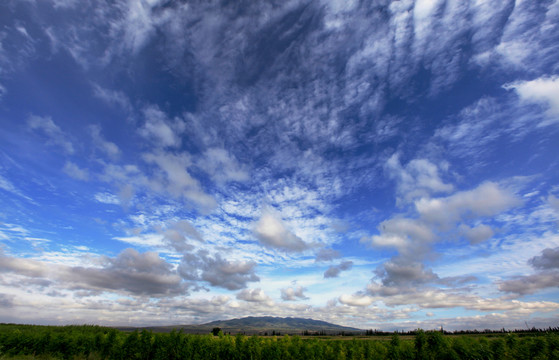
point(94, 342)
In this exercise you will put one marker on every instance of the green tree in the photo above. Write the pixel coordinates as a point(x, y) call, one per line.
point(420, 342)
point(394, 347)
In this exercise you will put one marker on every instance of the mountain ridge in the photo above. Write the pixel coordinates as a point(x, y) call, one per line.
point(257, 325)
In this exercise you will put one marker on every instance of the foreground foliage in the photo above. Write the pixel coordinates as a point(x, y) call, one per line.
point(94, 342)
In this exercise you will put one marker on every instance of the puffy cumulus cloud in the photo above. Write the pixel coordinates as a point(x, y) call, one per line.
point(544, 90)
point(231, 275)
point(400, 273)
point(254, 295)
point(477, 234)
point(549, 259)
point(410, 237)
point(413, 238)
point(358, 299)
point(530, 284)
point(174, 178)
point(272, 232)
point(487, 199)
point(22, 266)
point(222, 166)
point(75, 171)
point(52, 131)
point(160, 129)
point(130, 272)
point(335, 270)
point(142, 274)
point(293, 293)
point(418, 178)
point(547, 276)
point(228, 274)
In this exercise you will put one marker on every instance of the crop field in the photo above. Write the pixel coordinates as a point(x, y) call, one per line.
point(94, 342)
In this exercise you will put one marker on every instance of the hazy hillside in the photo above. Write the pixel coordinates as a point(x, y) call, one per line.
point(259, 325)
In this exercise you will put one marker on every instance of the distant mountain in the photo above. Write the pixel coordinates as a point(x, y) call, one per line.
point(260, 325)
point(278, 323)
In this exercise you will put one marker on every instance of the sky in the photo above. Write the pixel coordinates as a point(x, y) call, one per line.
point(378, 164)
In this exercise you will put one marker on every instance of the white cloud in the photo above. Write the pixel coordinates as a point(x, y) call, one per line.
point(179, 233)
point(52, 131)
point(140, 23)
point(418, 178)
point(161, 130)
point(549, 259)
point(477, 234)
point(222, 166)
point(272, 232)
point(254, 295)
point(175, 178)
point(327, 255)
point(554, 203)
point(547, 276)
point(424, 8)
point(335, 270)
point(360, 300)
point(488, 199)
point(544, 90)
point(130, 272)
point(144, 240)
point(530, 284)
point(109, 148)
point(403, 273)
point(228, 274)
point(525, 41)
point(107, 198)
point(126, 194)
point(411, 237)
point(293, 293)
point(6, 185)
point(112, 97)
point(75, 171)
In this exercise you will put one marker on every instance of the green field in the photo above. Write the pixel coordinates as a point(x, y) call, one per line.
point(95, 342)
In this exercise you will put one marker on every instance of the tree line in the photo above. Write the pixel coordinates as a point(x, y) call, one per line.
point(95, 342)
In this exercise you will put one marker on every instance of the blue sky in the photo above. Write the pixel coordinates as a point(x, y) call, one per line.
point(386, 165)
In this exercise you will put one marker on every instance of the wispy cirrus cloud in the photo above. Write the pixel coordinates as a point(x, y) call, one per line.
point(51, 131)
